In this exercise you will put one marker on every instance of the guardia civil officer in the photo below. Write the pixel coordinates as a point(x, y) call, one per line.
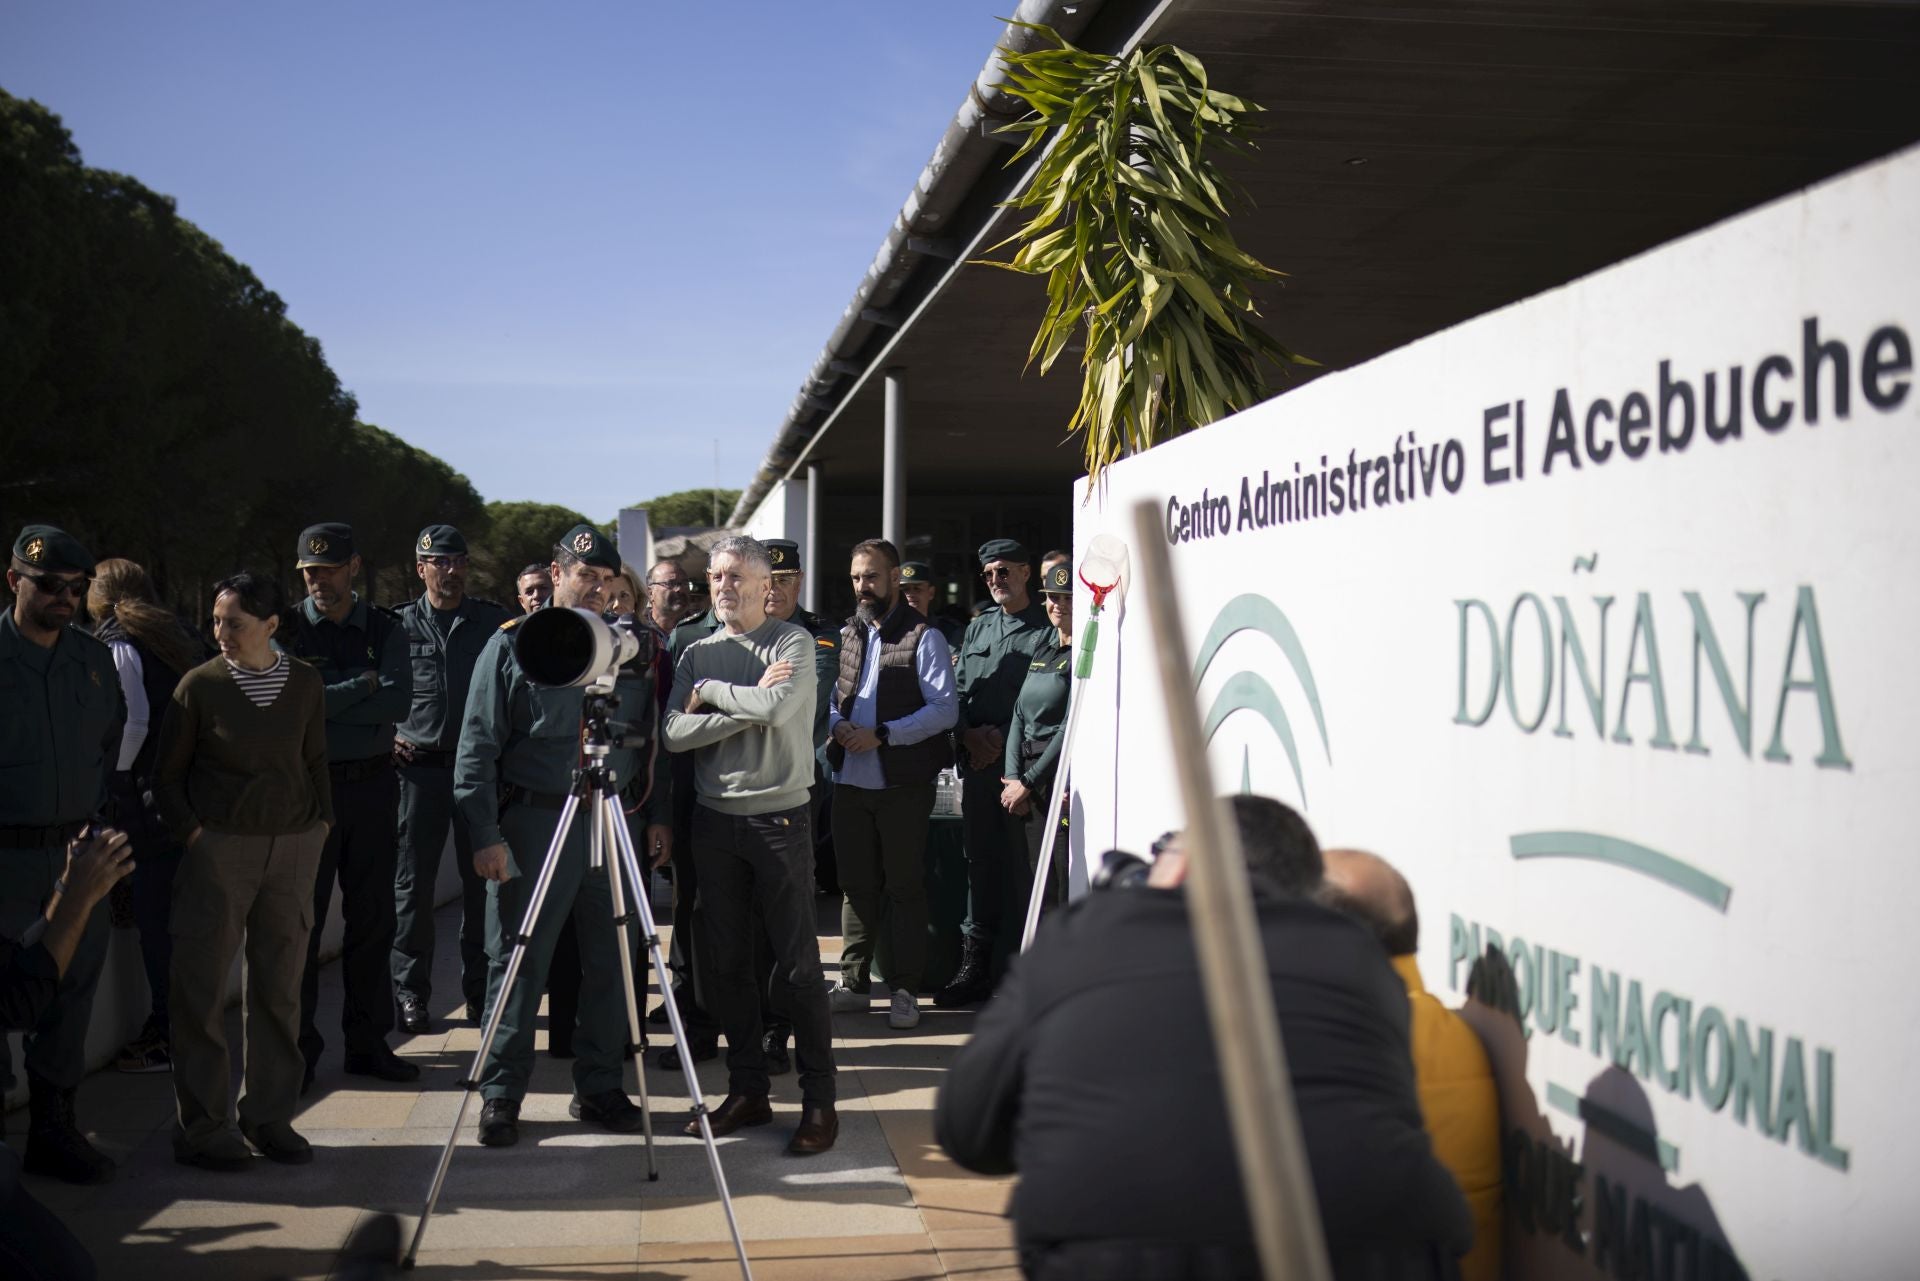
point(446, 630)
point(519, 744)
point(703, 1030)
point(60, 718)
point(1032, 766)
point(360, 651)
point(994, 657)
point(917, 584)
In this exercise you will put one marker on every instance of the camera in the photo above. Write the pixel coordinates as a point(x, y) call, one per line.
point(1121, 870)
point(568, 647)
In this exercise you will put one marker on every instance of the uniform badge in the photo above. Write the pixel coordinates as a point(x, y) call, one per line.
point(583, 542)
point(317, 545)
point(35, 549)
point(426, 542)
point(96, 678)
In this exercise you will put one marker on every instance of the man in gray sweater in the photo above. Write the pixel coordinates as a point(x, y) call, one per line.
point(749, 724)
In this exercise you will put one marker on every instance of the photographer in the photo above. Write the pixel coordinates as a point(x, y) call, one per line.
point(34, 1244)
point(1138, 1178)
point(519, 745)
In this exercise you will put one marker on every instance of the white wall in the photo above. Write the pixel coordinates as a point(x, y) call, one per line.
point(1699, 870)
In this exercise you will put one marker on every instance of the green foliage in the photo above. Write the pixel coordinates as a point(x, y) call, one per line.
point(689, 507)
point(1130, 230)
point(518, 534)
point(156, 401)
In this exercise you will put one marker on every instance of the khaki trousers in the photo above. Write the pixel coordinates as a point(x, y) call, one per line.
point(230, 889)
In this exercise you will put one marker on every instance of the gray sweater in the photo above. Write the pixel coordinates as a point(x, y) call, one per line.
point(752, 748)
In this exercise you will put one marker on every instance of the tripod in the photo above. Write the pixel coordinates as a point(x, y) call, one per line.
point(594, 788)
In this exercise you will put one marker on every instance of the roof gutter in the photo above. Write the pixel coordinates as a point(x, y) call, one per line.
point(921, 231)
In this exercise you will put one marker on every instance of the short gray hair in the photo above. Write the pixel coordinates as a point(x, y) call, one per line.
point(740, 547)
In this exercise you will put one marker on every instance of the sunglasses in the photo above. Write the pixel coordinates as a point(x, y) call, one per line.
point(998, 571)
point(445, 562)
point(54, 585)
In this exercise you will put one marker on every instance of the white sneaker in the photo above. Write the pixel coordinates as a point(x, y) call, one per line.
point(842, 1001)
point(905, 1012)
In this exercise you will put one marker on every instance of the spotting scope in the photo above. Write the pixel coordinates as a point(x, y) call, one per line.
point(564, 647)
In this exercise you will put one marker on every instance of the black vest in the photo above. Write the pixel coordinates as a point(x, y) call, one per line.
point(896, 694)
point(158, 680)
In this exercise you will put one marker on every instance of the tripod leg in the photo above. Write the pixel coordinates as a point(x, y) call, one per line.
point(616, 847)
point(651, 934)
point(507, 981)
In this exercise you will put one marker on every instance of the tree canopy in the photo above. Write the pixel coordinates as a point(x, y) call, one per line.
point(689, 507)
point(519, 534)
point(159, 404)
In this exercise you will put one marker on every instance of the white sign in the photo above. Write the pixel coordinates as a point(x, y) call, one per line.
point(1599, 616)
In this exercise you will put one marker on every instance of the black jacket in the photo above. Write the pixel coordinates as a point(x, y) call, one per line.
point(1093, 1074)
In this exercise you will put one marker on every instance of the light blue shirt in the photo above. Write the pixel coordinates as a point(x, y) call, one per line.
point(933, 662)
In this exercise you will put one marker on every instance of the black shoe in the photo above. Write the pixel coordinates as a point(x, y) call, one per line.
point(224, 1153)
point(476, 1008)
point(383, 1064)
point(412, 1012)
point(669, 1058)
point(278, 1141)
point(658, 1016)
point(610, 1110)
point(55, 1146)
point(779, 1062)
point(973, 982)
point(499, 1123)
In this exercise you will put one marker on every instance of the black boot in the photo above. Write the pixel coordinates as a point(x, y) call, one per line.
point(55, 1146)
point(974, 981)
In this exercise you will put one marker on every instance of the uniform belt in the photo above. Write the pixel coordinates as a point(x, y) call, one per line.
point(39, 838)
point(354, 771)
point(426, 758)
point(537, 800)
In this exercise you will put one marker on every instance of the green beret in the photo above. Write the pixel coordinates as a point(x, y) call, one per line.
point(441, 540)
point(592, 546)
point(783, 554)
point(50, 547)
point(327, 544)
point(1002, 549)
point(1057, 581)
point(916, 571)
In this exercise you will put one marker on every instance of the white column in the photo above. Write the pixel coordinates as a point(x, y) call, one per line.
point(810, 558)
point(893, 475)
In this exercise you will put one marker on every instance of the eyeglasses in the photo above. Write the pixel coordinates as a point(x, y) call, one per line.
point(672, 584)
point(54, 585)
point(445, 562)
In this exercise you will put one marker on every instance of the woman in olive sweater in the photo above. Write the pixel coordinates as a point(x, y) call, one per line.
point(241, 780)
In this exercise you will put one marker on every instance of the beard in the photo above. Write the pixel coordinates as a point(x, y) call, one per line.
point(871, 609)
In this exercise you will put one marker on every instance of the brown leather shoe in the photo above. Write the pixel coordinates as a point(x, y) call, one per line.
point(738, 1112)
point(819, 1127)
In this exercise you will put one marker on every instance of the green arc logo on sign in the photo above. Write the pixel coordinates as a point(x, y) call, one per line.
point(1250, 691)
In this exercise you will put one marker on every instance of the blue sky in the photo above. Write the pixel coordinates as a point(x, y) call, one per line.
point(564, 247)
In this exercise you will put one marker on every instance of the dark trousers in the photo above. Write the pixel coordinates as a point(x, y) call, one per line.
point(764, 861)
point(156, 861)
point(55, 1046)
point(577, 893)
point(996, 866)
point(360, 854)
point(881, 836)
point(1034, 826)
point(426, 816)
point(687, 953)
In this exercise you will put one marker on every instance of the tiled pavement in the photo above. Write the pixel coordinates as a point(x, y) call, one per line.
point(568, 1202)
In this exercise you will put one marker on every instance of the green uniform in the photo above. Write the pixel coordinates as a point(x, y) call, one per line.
point(520, 743)
point(442, 648)
point(1033, 751)
point(60, 718)
point(826, 670)
point(995, 655)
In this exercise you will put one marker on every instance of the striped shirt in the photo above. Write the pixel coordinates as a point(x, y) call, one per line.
point(261, 688)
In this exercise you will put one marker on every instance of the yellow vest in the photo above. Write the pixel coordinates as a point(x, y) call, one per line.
point(1462, 1111)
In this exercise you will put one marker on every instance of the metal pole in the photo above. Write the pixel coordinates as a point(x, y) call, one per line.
point(893, 473)
point(811, 552)
point(1233, 963)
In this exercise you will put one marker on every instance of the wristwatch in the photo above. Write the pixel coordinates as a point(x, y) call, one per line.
point(880, 732)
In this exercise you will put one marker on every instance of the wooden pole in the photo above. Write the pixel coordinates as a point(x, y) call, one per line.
point(1233, 964)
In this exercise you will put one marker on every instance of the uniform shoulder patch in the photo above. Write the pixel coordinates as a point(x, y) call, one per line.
point(513, 622)
point(826, 642)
